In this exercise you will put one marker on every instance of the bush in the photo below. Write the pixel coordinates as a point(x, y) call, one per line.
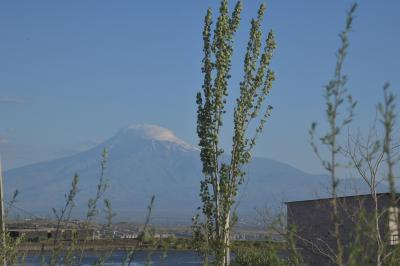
point(263, 257)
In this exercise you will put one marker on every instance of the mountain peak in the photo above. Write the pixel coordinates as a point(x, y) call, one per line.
point(156, 133)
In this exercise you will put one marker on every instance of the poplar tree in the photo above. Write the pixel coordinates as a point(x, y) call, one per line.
point(223, 173)
point(335, 95)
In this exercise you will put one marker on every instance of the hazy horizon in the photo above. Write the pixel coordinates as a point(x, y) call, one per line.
point(75, 73)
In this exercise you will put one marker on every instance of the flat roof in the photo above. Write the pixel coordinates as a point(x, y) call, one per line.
point(341, 197)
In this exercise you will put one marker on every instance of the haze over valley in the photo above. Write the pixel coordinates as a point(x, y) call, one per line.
point(146, 160)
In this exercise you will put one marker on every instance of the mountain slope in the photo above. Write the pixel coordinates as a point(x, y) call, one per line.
point(146, 160)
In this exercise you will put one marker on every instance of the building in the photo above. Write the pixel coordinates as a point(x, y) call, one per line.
point(37, 230)
point(40, 234)
point(312, 223)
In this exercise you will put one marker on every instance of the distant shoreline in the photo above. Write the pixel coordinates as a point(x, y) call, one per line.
point(102, 245)
point(180, 244)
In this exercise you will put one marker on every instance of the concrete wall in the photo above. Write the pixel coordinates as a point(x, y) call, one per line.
point(312, 221)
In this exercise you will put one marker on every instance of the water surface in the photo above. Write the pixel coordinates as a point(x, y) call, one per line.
point(171, 258)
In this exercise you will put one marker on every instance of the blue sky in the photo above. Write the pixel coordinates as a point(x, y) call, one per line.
point(74, 72)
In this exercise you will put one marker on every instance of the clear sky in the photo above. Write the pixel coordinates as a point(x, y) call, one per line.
point(72, 73)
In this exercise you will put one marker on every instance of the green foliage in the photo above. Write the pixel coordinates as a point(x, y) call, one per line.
point(267, 256)
point(335, 95)
point(221, 179)
point(72, 252)
point(101, 188)
point(68, 258)
point(93, 211)
point(11, 203)
point(145, 235)
point(294, 257)
point(63, 216)
point(109, 214)
point(10, 252)
point(363, 241)
point(387, 110)
point(369, 244)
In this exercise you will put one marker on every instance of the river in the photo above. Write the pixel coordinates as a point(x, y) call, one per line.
point(172, 258)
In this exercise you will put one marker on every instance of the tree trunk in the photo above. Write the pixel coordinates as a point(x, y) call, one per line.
point(2, 221)
point(227, 255)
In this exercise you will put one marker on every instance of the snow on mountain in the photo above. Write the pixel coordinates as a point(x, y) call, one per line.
point(146, 160)
point(156, 133)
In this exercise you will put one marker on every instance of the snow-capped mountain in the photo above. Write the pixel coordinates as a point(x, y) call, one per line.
point(146, 160)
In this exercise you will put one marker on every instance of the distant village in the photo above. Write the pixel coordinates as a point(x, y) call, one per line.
point(38, 230)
